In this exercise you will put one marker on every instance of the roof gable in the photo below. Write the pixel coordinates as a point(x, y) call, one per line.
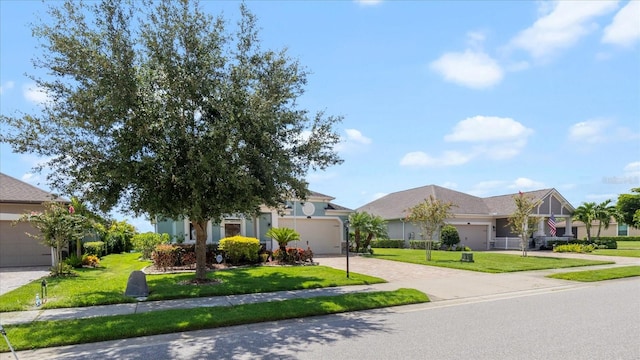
point(13, 190)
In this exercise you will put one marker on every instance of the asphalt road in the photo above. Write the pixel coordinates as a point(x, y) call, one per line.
point(599, 321)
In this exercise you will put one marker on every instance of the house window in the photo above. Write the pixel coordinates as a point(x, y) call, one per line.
point(623, 230)
point(231, 230)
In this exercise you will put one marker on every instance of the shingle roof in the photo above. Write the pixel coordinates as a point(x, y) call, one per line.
point(13, 190)
point(395, 205)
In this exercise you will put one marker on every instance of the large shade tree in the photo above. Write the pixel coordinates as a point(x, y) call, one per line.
point(628, 207)
point(159, 108)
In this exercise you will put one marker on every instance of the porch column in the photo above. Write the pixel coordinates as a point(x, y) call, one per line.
point(567, 228)
point(540, 231)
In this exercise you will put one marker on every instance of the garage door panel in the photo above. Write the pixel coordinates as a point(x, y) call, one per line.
point(473, 236)
point(323, 236)
point(19, 249)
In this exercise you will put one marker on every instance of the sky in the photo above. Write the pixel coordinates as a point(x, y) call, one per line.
point(483, 97)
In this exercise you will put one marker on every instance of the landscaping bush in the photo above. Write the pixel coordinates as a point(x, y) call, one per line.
point(575, 248)
point(90, 260)
point(147, 242)
point(240, 249)
point(94, 248)
point(421, 244)
point(73, 261)
point(461, 248)
point(388, 243)
point(293, 255)
point(609, 243)
point(620, 238)
point(449, 236)
point(165, 256)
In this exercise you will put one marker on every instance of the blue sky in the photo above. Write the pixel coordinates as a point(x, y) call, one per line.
point(483, 97)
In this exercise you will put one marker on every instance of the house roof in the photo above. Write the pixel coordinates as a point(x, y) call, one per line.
point(396, 205)
point(13, 190)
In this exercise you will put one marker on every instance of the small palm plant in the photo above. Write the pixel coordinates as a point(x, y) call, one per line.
point(283, 236)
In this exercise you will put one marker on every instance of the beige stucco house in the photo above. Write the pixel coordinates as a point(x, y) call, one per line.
point(16, 247)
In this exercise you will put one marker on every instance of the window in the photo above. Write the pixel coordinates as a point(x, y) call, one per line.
point(623, 230)
point(231, 230)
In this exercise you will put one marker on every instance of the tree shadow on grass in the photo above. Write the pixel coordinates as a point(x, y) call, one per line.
point(270, 340)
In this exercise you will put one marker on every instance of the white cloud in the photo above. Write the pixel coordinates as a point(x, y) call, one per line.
point(6, 86)
point(526, 184)
point(488, 128)
point(368, 2)
point(632, 169)
point(625, 28)
point(473, 69)
point(353, 141)
point(590, 131)
point(356, 136)
point(448, 158)
point(35, 94)
point(562, 27)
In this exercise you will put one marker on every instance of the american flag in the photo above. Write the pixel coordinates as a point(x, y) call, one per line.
point(552, 225)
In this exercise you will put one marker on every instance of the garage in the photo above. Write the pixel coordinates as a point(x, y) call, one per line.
point(19, 249)
point(473, 236)
point(323, 235)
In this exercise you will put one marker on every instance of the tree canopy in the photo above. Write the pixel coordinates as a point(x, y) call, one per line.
point(156, 106)
point(429, 216)
point(521, 222)
point(628, 206)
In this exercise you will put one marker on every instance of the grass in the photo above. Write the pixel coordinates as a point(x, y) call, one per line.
point(599, 275)
point(68, 332)
point(484, 261)
point(625, 248)
point(106, 285)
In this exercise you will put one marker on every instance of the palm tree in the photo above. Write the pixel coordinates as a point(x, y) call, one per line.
point(377, 228)
point(586, 213)
point(360, 222)
point(283, 236)
point(603, 213)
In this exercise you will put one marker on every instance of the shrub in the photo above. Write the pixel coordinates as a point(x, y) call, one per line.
point(388, 243)
point(94, 248)
point(90, 260)
point(449, 236)
point(576, 248)
point(293, 255)
point(421, 244)
point(609, 242)
point(240, 249)
point(165, 256)
point(147, 242)
point(73, 261)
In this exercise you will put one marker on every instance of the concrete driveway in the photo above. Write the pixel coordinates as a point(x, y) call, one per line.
point(15, 277)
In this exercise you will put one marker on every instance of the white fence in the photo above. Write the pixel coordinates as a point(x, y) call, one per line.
point(506, 243)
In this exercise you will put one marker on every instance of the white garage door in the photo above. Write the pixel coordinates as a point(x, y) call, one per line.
point(18, 249)
point(473, 236)
point(323, 235)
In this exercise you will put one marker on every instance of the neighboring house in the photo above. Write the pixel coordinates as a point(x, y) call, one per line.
point(615, 229)
point(16, 247)
point(319, 222)
point(482, 223)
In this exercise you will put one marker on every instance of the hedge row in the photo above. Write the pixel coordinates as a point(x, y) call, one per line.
point(602, 243)
point(619, 238)
point(388, 243)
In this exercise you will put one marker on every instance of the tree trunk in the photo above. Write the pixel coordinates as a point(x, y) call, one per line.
point(356, 239)
point(79, 248)
point(201, 249)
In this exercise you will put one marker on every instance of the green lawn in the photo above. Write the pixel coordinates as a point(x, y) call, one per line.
point(106, 285)
point(599, 275)
point(625, 248)
point(484, 261)
point(67, 332)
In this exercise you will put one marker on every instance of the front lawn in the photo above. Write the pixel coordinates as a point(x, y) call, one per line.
point(483, 261)
point(106, 284)
point(625, 248)
point(42, 334)
point(599, 275)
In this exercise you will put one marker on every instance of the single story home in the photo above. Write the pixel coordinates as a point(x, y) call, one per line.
point(615, 229)
point(16, 247)
point(482, 222)
point(318, 220)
